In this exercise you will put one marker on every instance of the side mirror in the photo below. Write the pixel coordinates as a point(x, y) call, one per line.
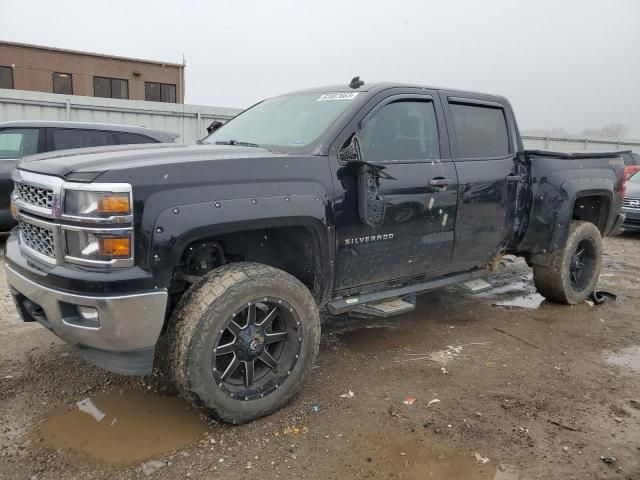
point(215, 125)
point(371, 205)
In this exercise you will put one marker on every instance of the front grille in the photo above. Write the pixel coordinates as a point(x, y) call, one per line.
point(38, 238)
point(631, 202)
point(38, 196)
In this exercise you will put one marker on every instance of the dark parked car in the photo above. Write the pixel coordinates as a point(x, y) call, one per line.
point(22, 138)
point(631, 203)
point(345, 198)
point(631, 163)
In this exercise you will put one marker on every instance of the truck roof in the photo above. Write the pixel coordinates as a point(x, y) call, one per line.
point(379, 86)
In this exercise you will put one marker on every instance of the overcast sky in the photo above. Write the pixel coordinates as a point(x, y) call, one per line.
point(564, 64)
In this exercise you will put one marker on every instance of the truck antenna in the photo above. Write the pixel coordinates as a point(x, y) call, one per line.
point(356, 82)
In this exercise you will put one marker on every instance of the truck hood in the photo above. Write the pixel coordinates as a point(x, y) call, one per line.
point(101, 159)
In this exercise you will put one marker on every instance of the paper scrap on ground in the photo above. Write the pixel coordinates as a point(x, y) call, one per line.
point(435, 400)
point(87, 406)
point(349, 394)
point(480, 458)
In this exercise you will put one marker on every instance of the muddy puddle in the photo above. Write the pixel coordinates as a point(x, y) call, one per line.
point(121, 428)
point(627, 358)
point(414, 459)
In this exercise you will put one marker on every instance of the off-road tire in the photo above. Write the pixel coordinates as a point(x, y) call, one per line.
point(554, 280)
point(199, 317)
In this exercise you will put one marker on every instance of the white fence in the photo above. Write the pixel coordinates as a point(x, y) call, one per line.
point(190, 121)
point(564, 144)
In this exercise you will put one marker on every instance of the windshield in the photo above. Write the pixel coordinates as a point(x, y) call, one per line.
point(289, 121)
point(635, 178)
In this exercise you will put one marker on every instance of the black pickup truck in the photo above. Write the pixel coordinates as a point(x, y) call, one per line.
point(335, 198)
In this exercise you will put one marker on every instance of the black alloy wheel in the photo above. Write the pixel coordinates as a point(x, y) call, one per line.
point(257, 349)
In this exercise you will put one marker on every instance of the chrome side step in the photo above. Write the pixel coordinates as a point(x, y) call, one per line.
point(384, 309)
point(345, 304)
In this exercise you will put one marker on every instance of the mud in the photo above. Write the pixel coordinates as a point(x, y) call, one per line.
point(540, 391)
point(122, 428)
point(627, 358)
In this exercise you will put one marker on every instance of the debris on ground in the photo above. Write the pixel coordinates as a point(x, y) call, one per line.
point(480, 459)
point(409, 400)
point(315, 408)
point(598, 297)
point(395, 413)
point(435, 400)
point(87, 406)
point(349, 394)
point(291, 431)
point(609, 460)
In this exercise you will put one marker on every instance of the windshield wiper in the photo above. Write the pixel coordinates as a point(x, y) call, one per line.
point(236, 142)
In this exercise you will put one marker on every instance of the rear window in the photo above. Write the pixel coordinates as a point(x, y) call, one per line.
point(18, 142)
point(481, 131)
point(131, 138)
point(64, 139)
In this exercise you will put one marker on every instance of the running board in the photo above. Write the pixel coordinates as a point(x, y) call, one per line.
point(342, 305)
point(384, 309)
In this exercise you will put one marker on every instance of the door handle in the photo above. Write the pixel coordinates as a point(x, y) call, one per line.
point(441, 182)
point(513, 178)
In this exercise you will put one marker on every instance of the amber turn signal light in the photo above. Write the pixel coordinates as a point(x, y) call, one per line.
point(115, 246)
point(114, 203)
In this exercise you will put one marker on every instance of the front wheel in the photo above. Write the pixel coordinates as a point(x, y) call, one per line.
point(572, 273)
point(242, 340)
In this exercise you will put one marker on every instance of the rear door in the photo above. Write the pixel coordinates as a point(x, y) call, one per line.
point(484, 145)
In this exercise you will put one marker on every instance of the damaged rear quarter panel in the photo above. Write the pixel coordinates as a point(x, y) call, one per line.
point(556, 183)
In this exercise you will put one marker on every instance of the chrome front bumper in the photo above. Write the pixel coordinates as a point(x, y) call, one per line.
point(121, 339)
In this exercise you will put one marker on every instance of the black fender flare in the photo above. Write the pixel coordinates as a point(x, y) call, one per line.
point(177, 227)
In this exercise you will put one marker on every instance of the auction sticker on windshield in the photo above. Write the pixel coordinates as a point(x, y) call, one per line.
point(337, 96)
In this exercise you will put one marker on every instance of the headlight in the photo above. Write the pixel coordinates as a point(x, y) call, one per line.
point(102, 230)
point(80, 203)
point(98, 247)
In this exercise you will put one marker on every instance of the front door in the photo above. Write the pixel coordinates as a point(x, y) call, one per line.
point(408, 228)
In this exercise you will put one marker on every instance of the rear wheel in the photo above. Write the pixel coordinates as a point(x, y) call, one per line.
point(242, 340)
point(572, 273)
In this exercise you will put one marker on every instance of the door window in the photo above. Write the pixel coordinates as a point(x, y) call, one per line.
point(67, 138)
point(403, 130)
point(131, 138)
point(481, 131)
point(18, 142)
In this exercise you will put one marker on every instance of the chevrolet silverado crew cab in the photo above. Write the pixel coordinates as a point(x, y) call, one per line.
point(336, 198)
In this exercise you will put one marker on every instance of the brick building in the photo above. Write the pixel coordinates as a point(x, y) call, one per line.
point(54, 70)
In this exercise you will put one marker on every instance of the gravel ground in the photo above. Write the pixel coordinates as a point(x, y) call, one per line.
point(536, 392)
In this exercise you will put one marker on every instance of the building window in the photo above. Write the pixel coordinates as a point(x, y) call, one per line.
point(110, 87)
point(62, 83)
point(6, 77)
point(160, 92)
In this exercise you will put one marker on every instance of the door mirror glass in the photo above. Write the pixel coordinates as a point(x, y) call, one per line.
point(215, 125)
